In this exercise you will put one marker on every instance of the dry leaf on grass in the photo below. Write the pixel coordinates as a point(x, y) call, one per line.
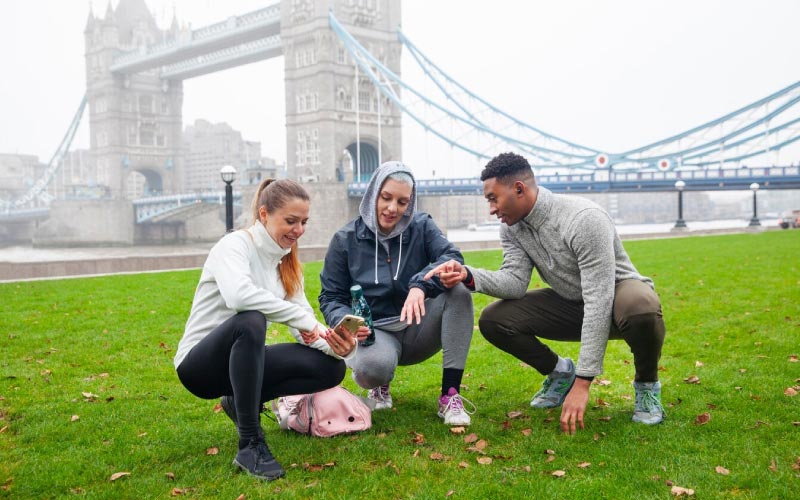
point(449, 493)
point(484, 460)
point(694, 379)
point(74, 418)
point(463, 465)
point(698, 364)
point(217, 408)
point(680, 491)
point(549, 459)
point(793, 358)
point(470, 438)
point(790, 391)
point(550, 452)
point(601, 381)
point(436, 456)
point(514, 414)
point(584, 465)
point(418, 438)
point(772, 465)
point(170, 476)
point(722, 470)
point(559, 473)
point(177, 492)
point(212, 451)
point(702, 419)
point(241, 497)
point(458, 430)
point(526, 432)
point(118, 475)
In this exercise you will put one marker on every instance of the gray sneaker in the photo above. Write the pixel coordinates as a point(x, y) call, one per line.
point(256, 460)
point(555, 388)
point(648, 409)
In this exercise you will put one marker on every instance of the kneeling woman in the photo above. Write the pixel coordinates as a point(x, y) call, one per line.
point(251, 278)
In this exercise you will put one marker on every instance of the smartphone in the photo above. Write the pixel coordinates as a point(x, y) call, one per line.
point(351, 322)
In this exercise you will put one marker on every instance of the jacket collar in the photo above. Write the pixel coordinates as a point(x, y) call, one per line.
point(266, 247)
point(541, 209)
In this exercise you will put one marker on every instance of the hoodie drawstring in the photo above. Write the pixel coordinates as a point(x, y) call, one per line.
point(399, 257)
point(376, 257)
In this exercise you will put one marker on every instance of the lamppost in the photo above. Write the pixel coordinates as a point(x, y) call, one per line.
point(680, 223)
point(754, 221)
point(228, 174)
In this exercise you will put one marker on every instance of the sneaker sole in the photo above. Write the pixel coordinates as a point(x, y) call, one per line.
point(266, 477)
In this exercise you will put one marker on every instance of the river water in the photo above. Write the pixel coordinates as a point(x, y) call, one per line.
point(30, 254)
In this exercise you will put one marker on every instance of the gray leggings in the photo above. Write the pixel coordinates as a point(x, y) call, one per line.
point(446, 326)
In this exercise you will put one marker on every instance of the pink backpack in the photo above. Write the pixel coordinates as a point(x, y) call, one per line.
point(323, 414)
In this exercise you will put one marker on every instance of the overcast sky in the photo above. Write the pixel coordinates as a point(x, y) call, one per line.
point(608, 74)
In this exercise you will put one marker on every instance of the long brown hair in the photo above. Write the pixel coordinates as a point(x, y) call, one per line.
point(273, 195)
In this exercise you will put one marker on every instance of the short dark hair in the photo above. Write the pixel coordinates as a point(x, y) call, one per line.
point(506, 166)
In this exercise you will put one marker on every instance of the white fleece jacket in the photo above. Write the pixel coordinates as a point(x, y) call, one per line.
point(241, 274)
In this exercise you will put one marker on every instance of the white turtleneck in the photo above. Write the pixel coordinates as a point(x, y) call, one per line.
point(241, 274)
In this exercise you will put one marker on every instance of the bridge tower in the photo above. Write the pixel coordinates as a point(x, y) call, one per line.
point(322, 137)
point(135, 120)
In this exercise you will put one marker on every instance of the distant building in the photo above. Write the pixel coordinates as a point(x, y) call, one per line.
point(209, 146)
point(17, 174)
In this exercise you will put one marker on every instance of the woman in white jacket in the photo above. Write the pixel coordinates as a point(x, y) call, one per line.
point(251, 278)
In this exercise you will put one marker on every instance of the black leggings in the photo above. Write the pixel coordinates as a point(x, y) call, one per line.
point(232, 360)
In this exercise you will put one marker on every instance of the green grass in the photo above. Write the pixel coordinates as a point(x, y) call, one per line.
point(730, 302)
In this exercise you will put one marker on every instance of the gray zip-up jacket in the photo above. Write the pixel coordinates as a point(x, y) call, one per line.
point(573, 244)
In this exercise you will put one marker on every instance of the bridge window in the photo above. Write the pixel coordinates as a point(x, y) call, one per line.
point(145, 104)
point(132, 135)
point(364, 99)
point(164, 107)
point(340, 56)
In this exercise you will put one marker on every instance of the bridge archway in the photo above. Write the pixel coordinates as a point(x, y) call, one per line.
point(144, 182)
point(369, 160)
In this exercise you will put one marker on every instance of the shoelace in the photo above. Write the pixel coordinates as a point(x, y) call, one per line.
point(648, 402)
point(380, 393)
point(455, 404)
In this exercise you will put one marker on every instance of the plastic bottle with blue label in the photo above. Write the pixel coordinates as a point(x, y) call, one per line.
point(361, 308)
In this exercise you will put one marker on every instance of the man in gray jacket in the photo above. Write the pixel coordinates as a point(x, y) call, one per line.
point(595, 292)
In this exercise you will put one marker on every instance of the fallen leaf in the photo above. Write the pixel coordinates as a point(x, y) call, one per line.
point(312, 484)
point(449, 493)
point(680, 491)
point(698, 364)
point(481, 444)
point(241, 497)
point(416, 453)
point(170, 476)
point(526, 432)
point(601, 381)
point(702, 419)
point(436, 456)
point(602, 403)
point(550, 452)
point(5, 428)
point(463, 465)
point(772, 465)
point(514, 414)
point(605, 419)
point(74, 418)
point(722, 470)
point(694, 379)
point(470, 438)
point(549, 459)
point(584, 465)
point(790, 391)
point(484, 460)
point(742, 370)
point(418, 438)
point(793, 358)
point(217, 408)
point(212, 451)
point(118, 475)
point(177, 492)
point(558, 473)
point(796, 464)
point(458, 430)
point(796, 424)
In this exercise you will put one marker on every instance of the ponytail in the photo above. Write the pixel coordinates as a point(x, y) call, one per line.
point(274, 194)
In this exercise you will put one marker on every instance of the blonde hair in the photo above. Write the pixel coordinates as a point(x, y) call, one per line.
point(273, 195)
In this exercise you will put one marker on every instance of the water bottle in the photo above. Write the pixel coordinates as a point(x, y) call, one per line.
point(361, 308)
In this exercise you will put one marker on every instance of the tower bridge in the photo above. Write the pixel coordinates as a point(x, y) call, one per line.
point(345, 101)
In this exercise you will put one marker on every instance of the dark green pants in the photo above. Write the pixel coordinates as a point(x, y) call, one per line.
point(515, 326)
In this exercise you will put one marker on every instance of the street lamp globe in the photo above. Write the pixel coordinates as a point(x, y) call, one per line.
point(679, 185)
point(228, 174)
point(680, 224)
point(754, 187)
point(754, 222)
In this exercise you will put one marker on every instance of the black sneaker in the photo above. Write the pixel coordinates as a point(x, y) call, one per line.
point(256, 460)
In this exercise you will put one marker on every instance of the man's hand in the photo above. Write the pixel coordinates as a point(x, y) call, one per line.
point(451, 273)
point(414, 308)
point(575, 406)
point(341, 342)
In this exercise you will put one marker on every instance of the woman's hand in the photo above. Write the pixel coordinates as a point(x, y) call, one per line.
point(414, 308)
point(450, 274)
point(342, 342)
point(312, 336)
point(360, 334)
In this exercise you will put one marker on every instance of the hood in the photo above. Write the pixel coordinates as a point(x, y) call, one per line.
point(369, 203)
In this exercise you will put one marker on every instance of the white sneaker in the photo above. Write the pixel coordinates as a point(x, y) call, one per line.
point(381, 396)
point(451, 408)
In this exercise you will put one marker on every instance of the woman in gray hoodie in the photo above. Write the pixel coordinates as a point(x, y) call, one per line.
point(387, 250)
